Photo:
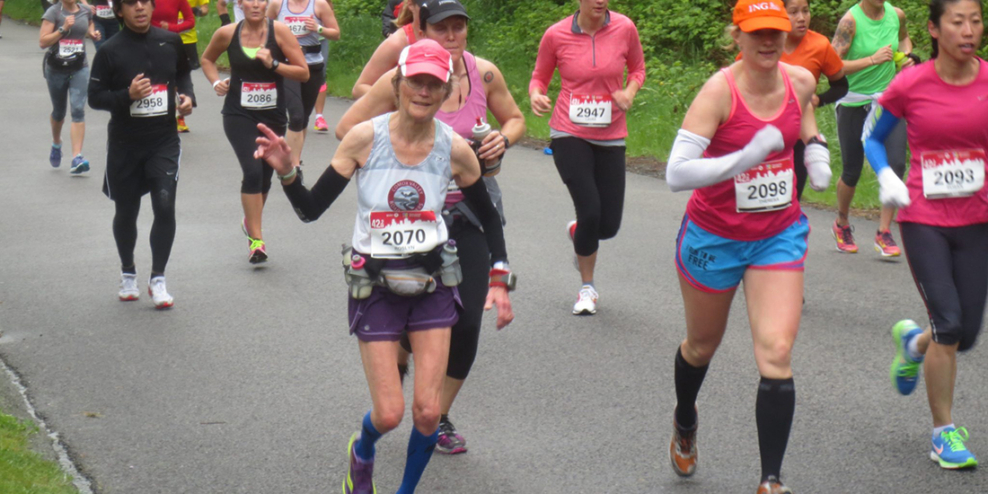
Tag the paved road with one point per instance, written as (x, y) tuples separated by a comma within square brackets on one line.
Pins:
[(252, 385)]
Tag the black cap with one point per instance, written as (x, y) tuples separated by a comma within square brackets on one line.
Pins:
[(433, 11)]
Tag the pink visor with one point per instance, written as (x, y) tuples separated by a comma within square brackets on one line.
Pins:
[(426, 57)]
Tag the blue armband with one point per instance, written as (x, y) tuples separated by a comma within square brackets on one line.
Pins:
[(877, 128)]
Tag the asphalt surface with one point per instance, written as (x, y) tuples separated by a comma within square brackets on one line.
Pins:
[(251, 383)]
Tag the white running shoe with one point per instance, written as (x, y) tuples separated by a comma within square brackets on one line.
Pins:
[(159, 294), (128, 287), (586, 302)]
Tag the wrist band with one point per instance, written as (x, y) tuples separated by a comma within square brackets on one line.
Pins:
[(217, 82), (507, 143), (290, 174)]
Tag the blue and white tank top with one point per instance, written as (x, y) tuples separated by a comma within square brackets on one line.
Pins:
[(296, 22), (399, 206)]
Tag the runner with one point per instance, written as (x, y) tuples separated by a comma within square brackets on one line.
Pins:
[(64, 27), (166, 15), (385, 57), (388, 17), (106, 23), (478, 87), (190, 41), (141, 77), (812, 51), (308, 20), (944, 216), (262, 55), (424, 306), (743, 222), (592, 48), (867, 39)]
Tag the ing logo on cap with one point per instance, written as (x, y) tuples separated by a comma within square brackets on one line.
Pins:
[(757, 7)]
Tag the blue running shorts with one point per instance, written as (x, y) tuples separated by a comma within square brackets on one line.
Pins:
[(715, 264)]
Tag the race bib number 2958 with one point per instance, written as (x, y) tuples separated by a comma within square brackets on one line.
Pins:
[(154, 105)]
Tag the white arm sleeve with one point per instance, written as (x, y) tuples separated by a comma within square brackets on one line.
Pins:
[(686, 169)]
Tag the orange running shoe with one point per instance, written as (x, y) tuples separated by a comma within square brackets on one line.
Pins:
[(682, 449), (844, 237), (773, 485), (885, 244)]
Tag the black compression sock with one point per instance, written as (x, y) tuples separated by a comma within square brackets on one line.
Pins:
[(224, 19), (774, 410), (688, 382), (129, 270)]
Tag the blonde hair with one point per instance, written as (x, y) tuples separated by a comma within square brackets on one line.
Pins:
[(405, 16), (729, 43)]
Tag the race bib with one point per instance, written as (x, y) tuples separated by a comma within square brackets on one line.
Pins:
[(259, 95), (766, 187), (396, 234), (590, 111), (297, 25), (155, 105), (69, 47), (104, 11), (959, 173)]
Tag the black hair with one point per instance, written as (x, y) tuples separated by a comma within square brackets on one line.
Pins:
[(785, 3), (118, 8), (937, 9)]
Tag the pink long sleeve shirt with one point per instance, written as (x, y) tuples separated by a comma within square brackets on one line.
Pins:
[(591, 66)]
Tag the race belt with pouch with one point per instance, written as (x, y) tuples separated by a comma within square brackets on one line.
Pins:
[(419, 274), (67, 55)]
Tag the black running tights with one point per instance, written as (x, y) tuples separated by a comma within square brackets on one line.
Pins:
[(162, 230)]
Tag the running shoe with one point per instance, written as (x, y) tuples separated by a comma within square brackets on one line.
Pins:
[(571, 231), (885, 244), (128, 287), (159, 294), (450, 441), (258, 254), (79, 165), (321, 124), (586, 302), (844, 237), (360, 474), (55, 157), (182, 128), (949, 451), (905, 370), (682, 449), (773, 485)]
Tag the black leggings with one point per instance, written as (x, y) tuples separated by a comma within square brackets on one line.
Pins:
[(242, 133), (950, 268), (300, 97), (850, 124), (162, 229), (595, 177), (475, 260)]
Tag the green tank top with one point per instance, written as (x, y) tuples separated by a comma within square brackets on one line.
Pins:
[(869, 36)]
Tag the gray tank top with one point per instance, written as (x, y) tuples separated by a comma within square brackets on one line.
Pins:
[(399, 206), (296, 22)]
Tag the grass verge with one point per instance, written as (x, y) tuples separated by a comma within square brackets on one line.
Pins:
[(23, 471)]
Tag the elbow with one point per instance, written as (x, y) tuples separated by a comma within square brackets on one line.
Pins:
[(341, 131), (358, 90)]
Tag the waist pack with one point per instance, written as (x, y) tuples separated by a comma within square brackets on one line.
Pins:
[(362, 274), (70, 64)]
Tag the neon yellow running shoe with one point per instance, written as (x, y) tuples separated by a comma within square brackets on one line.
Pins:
[(949, 451), (359, 476), (258, 254), (905, 370)]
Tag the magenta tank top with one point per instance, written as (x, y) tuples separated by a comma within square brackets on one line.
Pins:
[(761, 202), (463, 120)]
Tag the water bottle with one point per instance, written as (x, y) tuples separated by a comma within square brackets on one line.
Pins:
[(450, 273), (481, 131), (358, 279)]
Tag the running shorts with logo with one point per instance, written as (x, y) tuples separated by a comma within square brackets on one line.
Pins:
[(131, 167)]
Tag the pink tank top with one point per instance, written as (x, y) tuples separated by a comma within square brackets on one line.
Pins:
[(761, 202), (463, 120)]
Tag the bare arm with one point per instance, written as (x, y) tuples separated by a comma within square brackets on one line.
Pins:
[(296, 69), (378, 101), (49, 36), (504, 108), (385, 58), (710, 108), (217, 45), (905, 44), (843, 38), (273, 7), (327, 18)]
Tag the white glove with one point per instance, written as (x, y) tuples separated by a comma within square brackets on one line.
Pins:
[(766, 141), (892, 192), (816, 158)]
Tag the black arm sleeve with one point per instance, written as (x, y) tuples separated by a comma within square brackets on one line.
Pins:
[(100, 96), (480, 201), (837, 91), (183, 73), (311, 204)]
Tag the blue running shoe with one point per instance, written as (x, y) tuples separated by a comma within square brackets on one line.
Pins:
[(949, 450), (905, 370), (55, 157), (79, 165)]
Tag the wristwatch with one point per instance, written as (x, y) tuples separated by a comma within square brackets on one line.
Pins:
[(61, 30), (818, 139), (502, 276), (275, 63)]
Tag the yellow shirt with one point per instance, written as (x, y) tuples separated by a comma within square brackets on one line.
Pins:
[(189, 37)]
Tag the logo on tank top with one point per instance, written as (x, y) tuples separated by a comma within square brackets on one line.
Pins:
[(406, 195)]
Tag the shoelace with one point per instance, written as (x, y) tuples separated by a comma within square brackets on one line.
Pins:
[(588, 293), (955, 438), (845, 234), (256, 244), (887, 239), (158, 286), (908, 369), (447, 428)]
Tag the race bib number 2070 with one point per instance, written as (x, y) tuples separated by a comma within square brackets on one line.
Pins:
[(396, 234)]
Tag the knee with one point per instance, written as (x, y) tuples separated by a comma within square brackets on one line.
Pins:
[(296, 119), (388, 418), (253, 182), (426, 414), (78, 113), (610, 230), (775, 354), (850, 177), (699, 352)]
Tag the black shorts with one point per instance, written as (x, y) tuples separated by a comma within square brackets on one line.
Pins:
[(131, 164), (192, 51)]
